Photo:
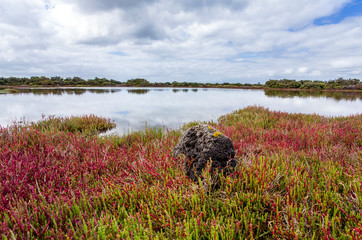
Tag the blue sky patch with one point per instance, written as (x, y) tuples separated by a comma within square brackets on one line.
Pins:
[(351, 9), (123, 112), (229, 44), (118, 53), (266, 54)]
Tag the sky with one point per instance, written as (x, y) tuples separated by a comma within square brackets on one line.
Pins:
[(247, 41)]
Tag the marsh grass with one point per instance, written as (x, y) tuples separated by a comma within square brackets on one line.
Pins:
[(87, 125), (300, 178), (8, 91)]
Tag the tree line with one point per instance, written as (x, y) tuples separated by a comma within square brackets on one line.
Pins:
[(35, 81), (56, 81), (138, 82), (339, 83)]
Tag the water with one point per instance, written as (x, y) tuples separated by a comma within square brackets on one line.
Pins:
[(133, 108)]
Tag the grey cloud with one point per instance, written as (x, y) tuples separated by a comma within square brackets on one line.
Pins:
[(150, 31), (102, 41), (151, 18), (194, 5), (104, 5), (143, 33), (186, 5)]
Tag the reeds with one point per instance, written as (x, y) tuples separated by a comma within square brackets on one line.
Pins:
[(300, 178)]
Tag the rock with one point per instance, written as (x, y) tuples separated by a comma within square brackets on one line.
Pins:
[(200, 144)]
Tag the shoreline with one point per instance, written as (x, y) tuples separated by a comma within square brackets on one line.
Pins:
[(3, 87)]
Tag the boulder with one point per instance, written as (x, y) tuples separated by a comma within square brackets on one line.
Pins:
[(201, 144)]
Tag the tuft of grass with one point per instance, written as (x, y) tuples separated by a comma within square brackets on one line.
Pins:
[(300, 178), (88, 125), (8, 90)]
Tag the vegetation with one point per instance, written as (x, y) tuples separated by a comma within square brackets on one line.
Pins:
[(89, 125), (8, 90), (56, 81), (336, 95), (340, 83), (300, 179), (138, 82)]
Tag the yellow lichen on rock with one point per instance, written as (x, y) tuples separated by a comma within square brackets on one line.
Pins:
[(217, 134)]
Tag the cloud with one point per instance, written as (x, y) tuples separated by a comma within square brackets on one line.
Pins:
[(187, 5), (184, 40), (106, 5)]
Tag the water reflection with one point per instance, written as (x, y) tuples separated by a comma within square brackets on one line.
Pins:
[(336, 95), (138, 91), (133, 108), (58, 91), (176, 90)]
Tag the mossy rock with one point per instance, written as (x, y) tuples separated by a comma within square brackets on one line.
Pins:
[(201, 144)]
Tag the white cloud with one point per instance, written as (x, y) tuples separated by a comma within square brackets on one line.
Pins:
[(162, 40)]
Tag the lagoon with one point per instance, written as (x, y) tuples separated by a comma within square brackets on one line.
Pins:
[(134, 108)]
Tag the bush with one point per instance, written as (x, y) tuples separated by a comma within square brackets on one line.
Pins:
[(284, 83), (313, 85)]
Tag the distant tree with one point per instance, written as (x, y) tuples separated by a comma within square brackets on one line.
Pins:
[(272, 84), (314, 85), (138, 82)]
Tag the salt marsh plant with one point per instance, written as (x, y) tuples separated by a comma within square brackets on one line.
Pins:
[(300, 179)]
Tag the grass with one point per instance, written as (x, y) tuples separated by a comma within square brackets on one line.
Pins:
[(89, 125), (8, 90), (300, 178)]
